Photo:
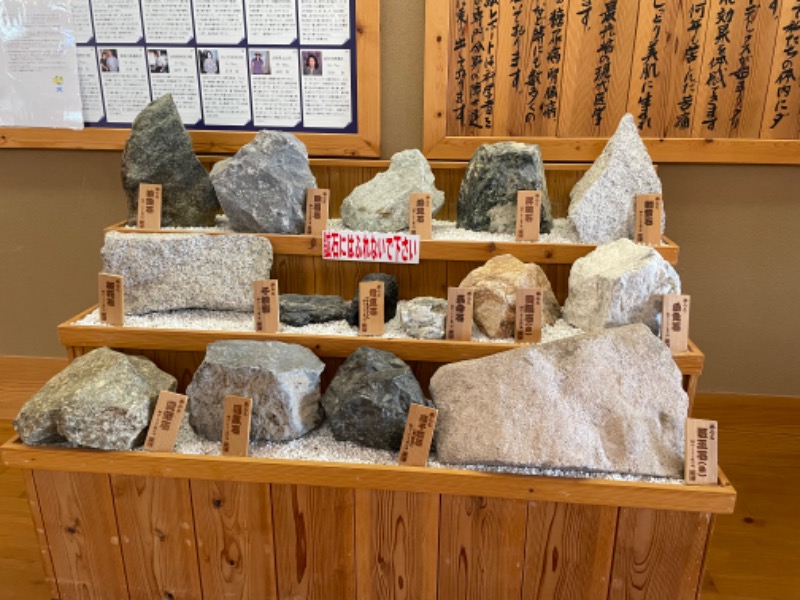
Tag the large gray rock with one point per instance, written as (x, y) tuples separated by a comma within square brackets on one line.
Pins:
[(602, 204), (609, 401), (424, 317), (381, 204), (282, 379), (495, 300), (178, 271), (159, 150), (618, 284), (262, 188), (367, 402), (301, 309), (103, 400), (487, 199), (391, 293)]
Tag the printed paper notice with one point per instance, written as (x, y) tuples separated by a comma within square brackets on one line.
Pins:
[(173, 71), (223, 81), (327, 102), (275, 84), (123, 72), (117, 21), (271, 22), (324, 22), (89, 77), (81, 20), (167, 21), (219, 21)]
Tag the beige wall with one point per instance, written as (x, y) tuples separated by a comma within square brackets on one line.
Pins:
[(736, 227)]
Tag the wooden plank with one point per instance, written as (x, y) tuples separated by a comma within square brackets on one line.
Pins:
[(315, 558), (79, 522), (398, 543), (782, 113), (38, 524), (341, 277), (658, 554), (481, 547), (295, 274), (569, 551), (156, 525), (424, 279), (234, 539)]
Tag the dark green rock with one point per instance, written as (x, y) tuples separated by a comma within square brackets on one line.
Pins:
[(391, 292), (301, 309)]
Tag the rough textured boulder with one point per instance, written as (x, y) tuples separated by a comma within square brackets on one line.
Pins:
[(177, 271), (602, 203), (610, 401), (159, 150), (282, 379), (381, 204), (103, 400), (618, 284), (367, 402), (262, 188), (495, 300), (301, 309), (391, 292), (424, 317), (487, 200)]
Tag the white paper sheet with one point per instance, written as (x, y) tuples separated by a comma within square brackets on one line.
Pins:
[(327, 101), (167, 21), (219, 21), (223, 81), (91, 94), (276, 91), (324, 22), (117, 21), (125, 88), (271, 21), (174, 71)]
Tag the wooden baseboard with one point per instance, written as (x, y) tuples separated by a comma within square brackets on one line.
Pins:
[(20, 377)]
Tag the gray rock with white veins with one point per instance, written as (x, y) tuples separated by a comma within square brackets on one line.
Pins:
[(367, 402), (282, 379), (262, 188), (180, 271), (424, 317), (102, 400), (602, 203), (381, 204), (487, 199), (159, 150), (610, 401), (301, 309), (618, 284)]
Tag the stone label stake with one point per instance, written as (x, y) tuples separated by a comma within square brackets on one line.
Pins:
[(236, 426), (529, 315), (111, 297), (266, 307), (420, 215), (149, 213), (529, 215), (418, 436), (370, 303), (675, 322), (317, 208), (166, 422), (649, 208), (459, 314), (702, 444)]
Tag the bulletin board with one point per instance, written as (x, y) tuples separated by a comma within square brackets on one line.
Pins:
[(707, 81), (234, 67)]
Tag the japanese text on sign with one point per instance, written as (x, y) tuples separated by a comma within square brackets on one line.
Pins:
[(458, 325), (111, 299), (370, 247), (266, 307), (675, 322), (420, 215), (371, 321), (702, 443), (149, 214), (317, 203), (529, 214), (236, 426), (529, 315), (649, 209), (418, 436), (166, 422)]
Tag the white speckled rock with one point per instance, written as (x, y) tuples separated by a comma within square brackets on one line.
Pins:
[(102, 400), (178, 271), (495, 303), (381, 204), (618, 284), (602, 203), (424, 317), (609, 401), (282, 379)]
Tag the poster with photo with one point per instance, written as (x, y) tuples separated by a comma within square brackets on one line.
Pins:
[(223, 85), (327, 100), (275, 87), (123, 77), (173, 71)]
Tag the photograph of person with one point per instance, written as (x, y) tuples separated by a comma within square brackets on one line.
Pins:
[(312, 63), (109, 62), (208, 61), (259, 63), (158, 61)]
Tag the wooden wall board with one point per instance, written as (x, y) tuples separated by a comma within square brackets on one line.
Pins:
[(41, 533), (782, 114)]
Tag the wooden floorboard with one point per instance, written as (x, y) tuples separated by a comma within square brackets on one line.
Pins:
[(754, 554)]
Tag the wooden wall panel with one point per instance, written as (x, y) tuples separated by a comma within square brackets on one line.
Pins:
[(80, 524), (235, 539), (782, 114), (295, 274), (41, 533), (397, 541), (425, 279), (158, 540)]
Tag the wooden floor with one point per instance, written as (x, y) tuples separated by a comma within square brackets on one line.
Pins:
[(755, 553)]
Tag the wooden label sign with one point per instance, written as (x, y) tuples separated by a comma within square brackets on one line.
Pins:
[(529, 215), (370, 299), (420, 216), (317, 203), (702, 452), (418, 436), (236, 426), (675, 322), (266, 307), (166, 422), (111, 299), (529, 315), (649, 208), (149, 215), (459, 314)]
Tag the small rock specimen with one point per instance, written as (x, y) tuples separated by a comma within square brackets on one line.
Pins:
[(102, 400), (177, 271), (391, 292), (495, 302), (618, 284), (300, 309), (424, 317), (262, 188), (159, 150), (282, 379), (602, 203), (381, 204), (610, 401), (367, 402), (487, 200)]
